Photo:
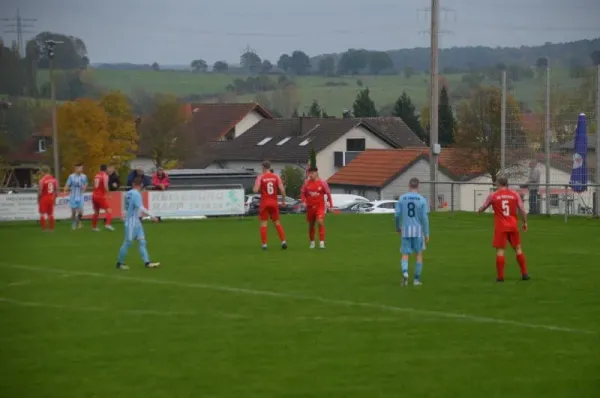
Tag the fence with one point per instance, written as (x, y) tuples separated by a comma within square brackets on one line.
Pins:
[(539, 121), (177, 202), (470, 196)]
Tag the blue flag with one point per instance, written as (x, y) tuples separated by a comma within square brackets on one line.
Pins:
[(579, 174)]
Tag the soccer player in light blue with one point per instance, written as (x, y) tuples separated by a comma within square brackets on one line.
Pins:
[(76, 184), (412, 223), (134, 208)]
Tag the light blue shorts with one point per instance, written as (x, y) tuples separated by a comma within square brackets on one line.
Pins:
[(412, 245), (134, 232), (76, 203)]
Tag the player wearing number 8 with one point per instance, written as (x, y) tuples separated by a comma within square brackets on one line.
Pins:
[(412, 223), (506, 203), (270, 186)]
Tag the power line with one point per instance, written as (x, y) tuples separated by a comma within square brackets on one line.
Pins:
[(19, 26)]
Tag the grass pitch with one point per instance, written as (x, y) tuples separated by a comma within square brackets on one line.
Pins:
[(221, 318)]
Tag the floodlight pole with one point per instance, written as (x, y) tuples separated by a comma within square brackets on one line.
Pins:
[(50, 48)]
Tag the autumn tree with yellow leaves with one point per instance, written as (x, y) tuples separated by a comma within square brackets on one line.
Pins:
[(478, 128), (95, 132)]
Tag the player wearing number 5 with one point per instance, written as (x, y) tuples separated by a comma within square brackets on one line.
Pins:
[(47, 198), (270, 186), (505, 203), (412, 223)]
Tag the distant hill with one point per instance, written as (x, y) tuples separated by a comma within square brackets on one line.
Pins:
[(132, 66), (562, 55)]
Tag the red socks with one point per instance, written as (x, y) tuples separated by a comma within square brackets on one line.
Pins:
[(500, 267), (108, 219), (94, 220), (311, 233), (263, 234), (43, 222), (322, 233), (280, 232), (51, 222), (522, 263)]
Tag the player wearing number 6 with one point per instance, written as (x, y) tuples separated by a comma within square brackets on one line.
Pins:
[(412, 223), (270, 186), (100, 199), (505, 203)]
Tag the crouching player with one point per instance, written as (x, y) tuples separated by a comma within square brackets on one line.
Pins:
[(133, 226), (505, 203), (412, 223)]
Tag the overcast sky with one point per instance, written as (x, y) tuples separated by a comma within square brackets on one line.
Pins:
[(177, 31)]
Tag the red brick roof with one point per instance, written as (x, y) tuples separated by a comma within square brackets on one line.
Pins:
[(378, 167), (28, 152)]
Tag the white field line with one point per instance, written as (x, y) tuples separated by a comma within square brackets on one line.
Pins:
[(345, 303)]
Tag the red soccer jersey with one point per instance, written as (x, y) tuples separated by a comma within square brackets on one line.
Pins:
[(313, 193), (505, 203), (49, 186), (100, 184), (268, 184)]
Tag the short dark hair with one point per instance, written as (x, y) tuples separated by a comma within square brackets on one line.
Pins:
[(311, 169), (266, 165), (272, 171), (414, 183), (137, 182), (502, 181), (103, 167), (78, 164)]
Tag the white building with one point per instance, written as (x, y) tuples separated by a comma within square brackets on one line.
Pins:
[(288, 142), (384, 174)]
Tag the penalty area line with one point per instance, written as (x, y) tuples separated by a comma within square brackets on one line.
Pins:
[(324, 300)]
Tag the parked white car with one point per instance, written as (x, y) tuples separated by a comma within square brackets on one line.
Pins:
[(342, 199), (381, 207)]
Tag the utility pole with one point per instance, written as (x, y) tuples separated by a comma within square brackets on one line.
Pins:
[(50, 53), (503, 125), (433, 128), (597, 140), (19, 27), (548, 137)]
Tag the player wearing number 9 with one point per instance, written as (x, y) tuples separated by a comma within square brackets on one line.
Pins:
[(506, 203)]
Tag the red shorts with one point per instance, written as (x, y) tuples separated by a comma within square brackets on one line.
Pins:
[(269, 211), (100, 203), (501, 237), (315, 213), (46, 205)]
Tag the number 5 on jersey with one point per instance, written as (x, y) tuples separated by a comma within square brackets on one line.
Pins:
[(505, 208)]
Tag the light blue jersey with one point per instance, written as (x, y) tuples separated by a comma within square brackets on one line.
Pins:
[(77, 184), (134, 208), (412, 219)]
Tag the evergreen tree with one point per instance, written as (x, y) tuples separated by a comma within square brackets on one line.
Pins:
[(315, 110), (312, 163), (295, 114), (447, 123), (405, 110), (363, 105)]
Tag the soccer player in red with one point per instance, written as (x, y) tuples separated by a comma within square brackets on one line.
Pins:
[(505, 203), (100, 199), (47, 190), (313, 195), (270, 186)]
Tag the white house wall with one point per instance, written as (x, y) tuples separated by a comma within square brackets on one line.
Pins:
[(325, 158), (247, 123), (420, 170)]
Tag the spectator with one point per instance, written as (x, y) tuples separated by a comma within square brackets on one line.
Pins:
[(533, 181), (113, 179), (138, 172), (160, 180)]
